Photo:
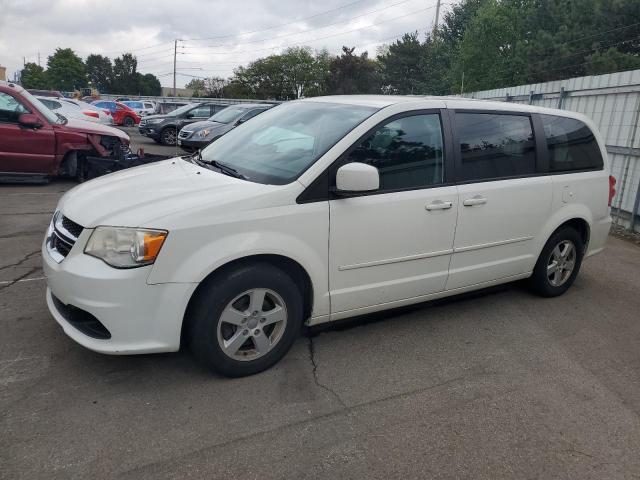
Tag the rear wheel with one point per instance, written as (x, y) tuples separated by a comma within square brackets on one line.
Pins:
[(245, 320), (168, 136), (128, 122), (559, 263)]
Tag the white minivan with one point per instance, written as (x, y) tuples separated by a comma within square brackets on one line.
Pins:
[(323, 209)]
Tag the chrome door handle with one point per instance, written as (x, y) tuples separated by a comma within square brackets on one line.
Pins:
[(477, 200), (439, 205)]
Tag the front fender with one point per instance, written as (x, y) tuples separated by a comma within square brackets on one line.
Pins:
[(188, 260)]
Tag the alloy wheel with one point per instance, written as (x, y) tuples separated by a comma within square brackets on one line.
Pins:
[(562, 262), (252, 324)]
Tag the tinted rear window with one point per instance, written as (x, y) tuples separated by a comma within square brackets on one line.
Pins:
[(571, 145), (495, 146)]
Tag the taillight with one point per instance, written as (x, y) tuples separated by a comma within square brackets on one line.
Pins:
[(612, 188), (92, 114)]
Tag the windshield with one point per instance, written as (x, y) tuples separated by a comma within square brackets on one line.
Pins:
[(180, 110), (48, 114), (228, 115), (276, 146)]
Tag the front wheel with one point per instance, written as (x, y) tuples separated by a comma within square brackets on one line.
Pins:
[(558, 264), (128, 122), (244, 321), (168, 136)]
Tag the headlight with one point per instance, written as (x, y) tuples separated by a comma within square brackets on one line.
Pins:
[(154, 120), (125, 247), (203, 133)]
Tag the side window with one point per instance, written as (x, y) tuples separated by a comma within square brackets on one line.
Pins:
[(408, 152), (203, 111), (571, 145), (495, 146), (10, 108), (251, 114)]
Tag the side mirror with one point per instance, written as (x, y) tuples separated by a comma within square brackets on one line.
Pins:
[(357, 177), (29, 120), (189, 115)]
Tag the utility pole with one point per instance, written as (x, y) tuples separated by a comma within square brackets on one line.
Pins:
[(39, 59), (175, 54), (435, 23)]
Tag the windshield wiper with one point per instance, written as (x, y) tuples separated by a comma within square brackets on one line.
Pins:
[(226, 169), (195, 158)]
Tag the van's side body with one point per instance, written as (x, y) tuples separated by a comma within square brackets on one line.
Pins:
[(404, 243)]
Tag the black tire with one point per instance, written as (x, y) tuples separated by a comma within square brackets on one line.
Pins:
[(169, 136), (540, 282), (128, 122), (213, 299)]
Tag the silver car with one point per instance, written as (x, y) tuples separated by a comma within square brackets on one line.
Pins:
[(78, 109)]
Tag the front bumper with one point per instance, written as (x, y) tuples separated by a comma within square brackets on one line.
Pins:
[(193, 144), (139, 317), (149, 131)]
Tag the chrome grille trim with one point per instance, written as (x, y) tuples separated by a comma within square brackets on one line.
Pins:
[(58, 233)]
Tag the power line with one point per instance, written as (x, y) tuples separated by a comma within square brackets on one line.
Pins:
[(302, 43), (279, 25), (304, 31)]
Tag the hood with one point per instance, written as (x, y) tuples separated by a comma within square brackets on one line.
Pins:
[(84, 126), (159, 117), (137, 196), (194, 127)]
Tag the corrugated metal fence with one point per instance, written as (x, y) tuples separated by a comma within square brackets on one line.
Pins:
[(613, 102)]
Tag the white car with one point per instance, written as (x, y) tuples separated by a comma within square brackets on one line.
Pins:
[(71, 108), (322, 209), (141, 107)]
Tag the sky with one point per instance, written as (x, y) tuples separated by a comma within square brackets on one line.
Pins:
[(215, 36)]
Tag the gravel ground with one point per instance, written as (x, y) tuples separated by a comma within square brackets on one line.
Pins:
[(495, 385)]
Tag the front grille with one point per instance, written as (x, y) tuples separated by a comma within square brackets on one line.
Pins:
[(60, 245), (82, 320), (72, 227), (62, 236), (184, 134)]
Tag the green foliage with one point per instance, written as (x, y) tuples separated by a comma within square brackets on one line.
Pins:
[(66, 71), (353, 74), (99, 72), (197, 85), (148, 85), (401, 67), (125, 75), (34, 76)]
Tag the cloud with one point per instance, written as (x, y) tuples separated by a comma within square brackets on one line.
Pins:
[(216, 35)]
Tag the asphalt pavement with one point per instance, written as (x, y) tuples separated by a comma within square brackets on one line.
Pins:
[(496, 385)]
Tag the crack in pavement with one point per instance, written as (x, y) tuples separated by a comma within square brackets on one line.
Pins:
[(312, 358), (21, 261), (13, 282), (28, 213)]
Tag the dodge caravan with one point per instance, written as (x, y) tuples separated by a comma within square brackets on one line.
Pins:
[(323, 209)]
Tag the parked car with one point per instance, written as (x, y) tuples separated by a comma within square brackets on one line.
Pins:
[(322, 209), (45, 93), (168, 107), (200, 134), (164, 128), (77, 109), (36, 143), (141, 107), (122, 115)]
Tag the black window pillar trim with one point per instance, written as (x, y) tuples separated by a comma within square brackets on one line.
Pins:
[(542, 151)]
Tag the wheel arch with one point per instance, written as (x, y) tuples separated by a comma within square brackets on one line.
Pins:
[(288, 265), (577, 217)]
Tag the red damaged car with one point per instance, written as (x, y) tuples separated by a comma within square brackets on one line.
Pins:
[(36, 143)]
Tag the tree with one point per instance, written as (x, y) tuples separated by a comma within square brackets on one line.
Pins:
[(148, 85), (33, 76), (353, 74), (401, 67), (196, 85), (99, 72), (66, 71), (214, 86), (125, 78)]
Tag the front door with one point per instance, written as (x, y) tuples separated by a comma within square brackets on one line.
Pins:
[(503, 204), (395, 243), (23, 150)]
